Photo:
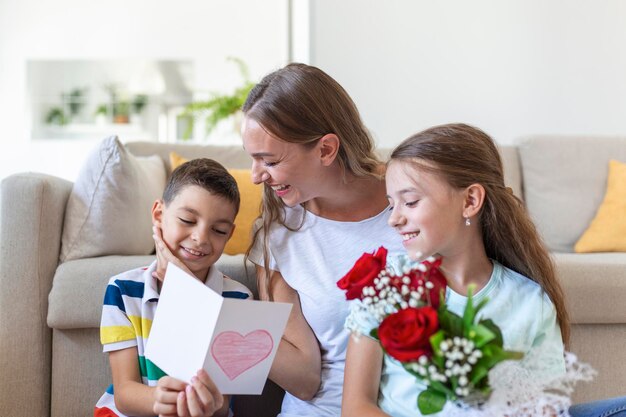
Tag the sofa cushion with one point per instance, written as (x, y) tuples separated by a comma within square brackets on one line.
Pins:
[(607, 231), (564, 183), (229, 156), (108, 211), (594, 285), (512, 169), (75, 301)]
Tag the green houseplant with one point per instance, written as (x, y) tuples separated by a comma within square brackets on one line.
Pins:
[(219, 106)]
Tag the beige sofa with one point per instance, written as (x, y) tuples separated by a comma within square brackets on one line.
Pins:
[(51, 361)]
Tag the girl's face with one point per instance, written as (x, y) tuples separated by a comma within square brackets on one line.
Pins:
[(290, 169), (426, 211)]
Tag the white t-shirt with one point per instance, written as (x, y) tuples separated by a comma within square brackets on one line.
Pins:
[(312, 260), (517, 305)]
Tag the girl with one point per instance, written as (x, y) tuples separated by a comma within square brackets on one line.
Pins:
[(448, 197)]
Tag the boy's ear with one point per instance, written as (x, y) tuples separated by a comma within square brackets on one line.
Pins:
[(157, 212), (329, 148), (474, 200)]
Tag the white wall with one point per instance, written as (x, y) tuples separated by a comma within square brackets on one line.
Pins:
[(512, 67), (203, 31)]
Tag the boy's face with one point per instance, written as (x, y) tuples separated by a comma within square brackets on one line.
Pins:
[(196, 226)]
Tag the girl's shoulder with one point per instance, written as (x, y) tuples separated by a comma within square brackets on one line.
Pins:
[(527, 289)]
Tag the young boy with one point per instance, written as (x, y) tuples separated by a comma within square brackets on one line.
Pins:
[(196, 216)]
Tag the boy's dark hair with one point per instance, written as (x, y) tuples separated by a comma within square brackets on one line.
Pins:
[(205, 173)]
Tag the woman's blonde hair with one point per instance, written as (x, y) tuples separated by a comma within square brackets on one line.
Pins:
[(465, 155), (300, 104)]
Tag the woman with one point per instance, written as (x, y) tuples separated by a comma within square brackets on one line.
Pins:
[(324, 205)]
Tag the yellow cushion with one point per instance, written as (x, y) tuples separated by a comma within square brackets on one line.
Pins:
[(607, 231), (251, 195)]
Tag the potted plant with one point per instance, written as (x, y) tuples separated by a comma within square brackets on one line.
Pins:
[(221, 106), (56, 116), (101, 113)]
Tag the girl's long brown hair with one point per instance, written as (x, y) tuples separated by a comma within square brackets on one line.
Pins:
[(465, 155), (300, 104)]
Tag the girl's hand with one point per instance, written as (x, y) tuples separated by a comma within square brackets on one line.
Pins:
[(164, 255)]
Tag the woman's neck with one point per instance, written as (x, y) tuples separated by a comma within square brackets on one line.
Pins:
[(356, 199)]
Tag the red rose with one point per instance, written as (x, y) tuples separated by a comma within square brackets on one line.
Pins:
[(436, 277), (404, 335), (362, 274)]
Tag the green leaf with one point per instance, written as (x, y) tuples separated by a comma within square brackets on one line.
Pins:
[(488, 323), (479, 371), (435, 341), (450, 322), (470, 312), (480, 335), (441, 388), (430, 401), (374, 333)]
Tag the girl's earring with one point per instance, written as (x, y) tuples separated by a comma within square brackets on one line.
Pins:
[(467, 221)]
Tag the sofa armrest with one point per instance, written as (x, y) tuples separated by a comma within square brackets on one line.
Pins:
[(32, 208)]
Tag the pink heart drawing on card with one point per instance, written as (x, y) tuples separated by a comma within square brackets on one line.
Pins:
[(235, 353)]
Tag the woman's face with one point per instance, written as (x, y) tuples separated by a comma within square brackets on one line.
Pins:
[(426, 211), (289, 169)]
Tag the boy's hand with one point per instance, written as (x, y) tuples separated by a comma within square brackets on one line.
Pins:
[(164, 255), (175, 398), (166, 395), (201, 398)]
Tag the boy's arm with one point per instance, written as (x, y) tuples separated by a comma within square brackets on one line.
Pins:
[(132, 397), (297, 366)]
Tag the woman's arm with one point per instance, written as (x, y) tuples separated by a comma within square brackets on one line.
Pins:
[(364, 360), (297, 367)]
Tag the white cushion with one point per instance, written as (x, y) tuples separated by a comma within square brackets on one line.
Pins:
[(108, 212)]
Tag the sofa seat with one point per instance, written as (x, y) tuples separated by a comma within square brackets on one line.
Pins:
[(594, 285)]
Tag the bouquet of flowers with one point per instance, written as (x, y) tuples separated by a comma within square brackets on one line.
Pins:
[(450, 354)]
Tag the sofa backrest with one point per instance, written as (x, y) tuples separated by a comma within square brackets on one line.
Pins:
[(512, 169), (564, 181), (230, 156)]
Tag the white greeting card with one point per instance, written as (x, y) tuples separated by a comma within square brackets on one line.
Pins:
[(234, 340)]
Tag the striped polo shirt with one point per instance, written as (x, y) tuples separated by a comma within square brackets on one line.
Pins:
[(130, 302)]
